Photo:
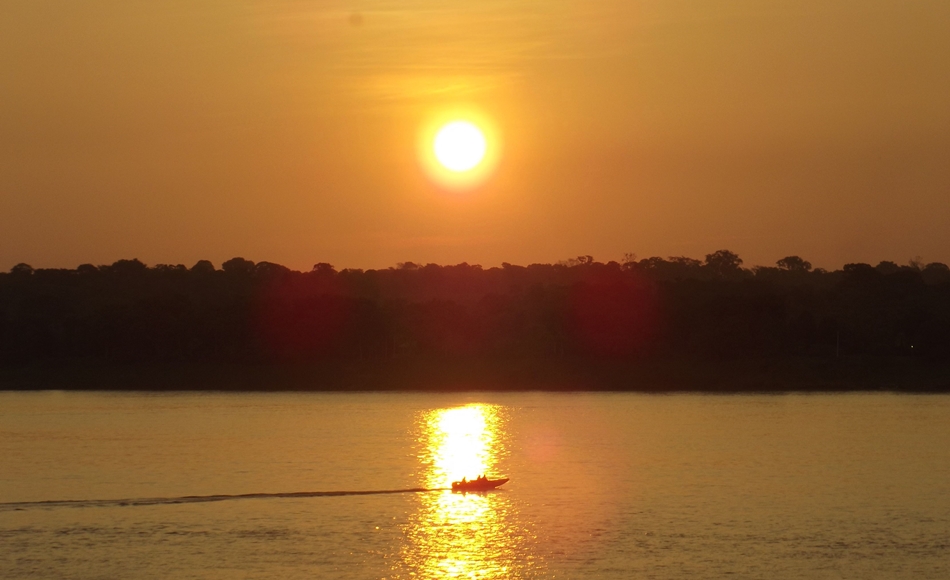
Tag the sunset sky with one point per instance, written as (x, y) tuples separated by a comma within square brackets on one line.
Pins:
[(288, 130)]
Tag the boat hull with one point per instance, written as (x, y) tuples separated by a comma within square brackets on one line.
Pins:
[(478, 485)]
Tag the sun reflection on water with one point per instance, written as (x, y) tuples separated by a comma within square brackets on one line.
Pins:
[(453, 535), (460, 443)]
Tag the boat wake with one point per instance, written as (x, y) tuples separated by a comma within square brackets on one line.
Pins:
[(149, 501)]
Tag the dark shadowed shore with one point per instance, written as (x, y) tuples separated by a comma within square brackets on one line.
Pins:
[(653, 325), (899, 374)]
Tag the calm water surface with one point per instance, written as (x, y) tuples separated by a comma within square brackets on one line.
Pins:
[(602, 486)]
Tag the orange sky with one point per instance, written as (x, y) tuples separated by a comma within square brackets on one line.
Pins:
[(285, 130)]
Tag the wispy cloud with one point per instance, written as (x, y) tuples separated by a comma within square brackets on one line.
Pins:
[(423, 48)]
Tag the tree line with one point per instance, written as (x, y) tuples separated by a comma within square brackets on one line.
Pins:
[(579, 309)]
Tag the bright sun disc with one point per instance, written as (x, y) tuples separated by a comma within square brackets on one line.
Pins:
[(459, 146)]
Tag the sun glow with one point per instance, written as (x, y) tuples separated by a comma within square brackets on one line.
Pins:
[(459, 146), (459, 149)]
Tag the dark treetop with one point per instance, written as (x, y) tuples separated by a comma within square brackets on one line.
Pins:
[(650, 323)]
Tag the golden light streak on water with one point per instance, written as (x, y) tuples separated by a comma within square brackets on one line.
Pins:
[(454, 535), (461, 443)]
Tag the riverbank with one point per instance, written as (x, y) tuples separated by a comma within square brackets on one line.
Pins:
[(905, 374)]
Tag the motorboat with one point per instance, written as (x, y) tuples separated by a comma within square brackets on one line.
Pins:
[(479, 484)]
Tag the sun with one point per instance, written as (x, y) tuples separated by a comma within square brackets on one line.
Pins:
[(459, 146)]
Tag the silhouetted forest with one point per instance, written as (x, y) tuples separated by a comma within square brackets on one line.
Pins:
[(538, 322)]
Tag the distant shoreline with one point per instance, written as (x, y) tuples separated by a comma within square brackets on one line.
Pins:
[(751, 375)]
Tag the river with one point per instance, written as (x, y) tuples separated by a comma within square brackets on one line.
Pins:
[(603, 486)]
